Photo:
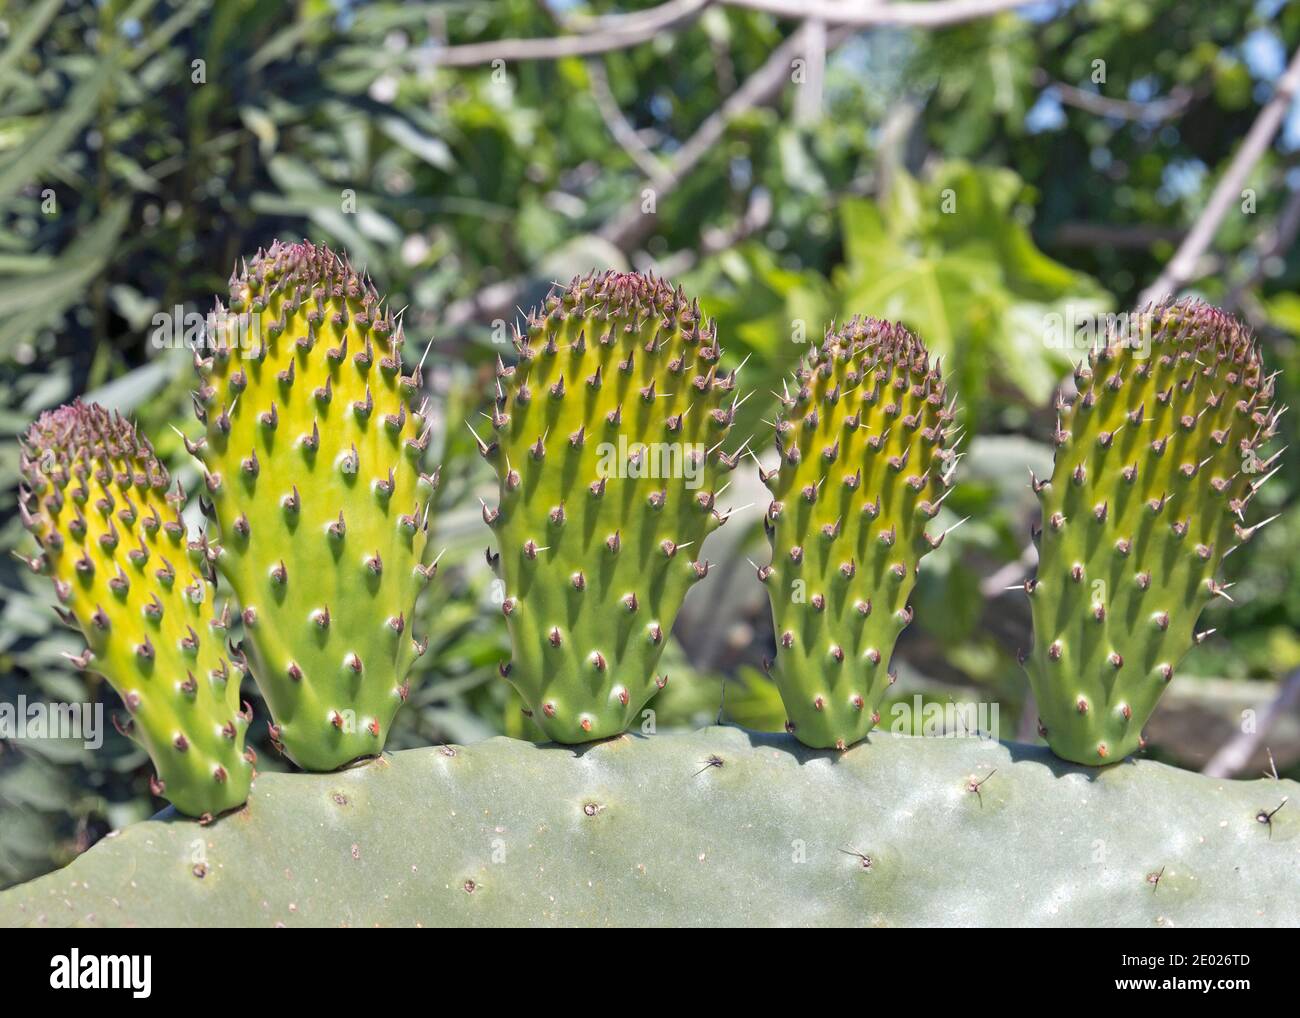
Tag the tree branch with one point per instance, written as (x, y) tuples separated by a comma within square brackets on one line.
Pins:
[(629, 226), (622, 31), (1138, 237), (936, 14), (624, 133), (1235, 754), (1153, 112), (1183, 267), (609, 33), (1269, 244)]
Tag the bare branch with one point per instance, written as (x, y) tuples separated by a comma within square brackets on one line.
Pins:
[(1008, 576), (627, 228), (1234, 755), (1184, 267), (1153, 112), (808, 100), (1112, 235), (936, 14), (615, 32), (1269, 244), (624, 133), (758, 213), (609, 33)]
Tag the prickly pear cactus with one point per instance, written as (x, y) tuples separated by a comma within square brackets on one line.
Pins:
[(705, 828), (313, 465), (113, 541), (1156, 462), (863, 468), (608, 447)]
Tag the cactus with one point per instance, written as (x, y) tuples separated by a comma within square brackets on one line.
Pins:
[(112, 538), (608, 449), (312, 463), (717, 827), (1156, 462), (863, 467)]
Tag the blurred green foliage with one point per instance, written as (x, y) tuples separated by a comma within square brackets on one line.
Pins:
[(145, 145)]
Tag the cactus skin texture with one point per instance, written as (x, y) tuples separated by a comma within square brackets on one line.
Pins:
[(312, 462), (863, 467), (718, 827), (1156, 461), (596, 560), (112, 539)]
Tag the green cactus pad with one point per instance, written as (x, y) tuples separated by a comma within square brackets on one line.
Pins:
[(112, 539), (1156, 461), (608, 447), (312, 461), (719, 827), (862, 471)]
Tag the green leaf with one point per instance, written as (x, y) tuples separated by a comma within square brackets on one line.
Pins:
[(39, 300), (433, 151), (49, 136), (31, 25)]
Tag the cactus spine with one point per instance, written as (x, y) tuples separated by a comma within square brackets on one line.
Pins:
[(863, 468), (312, 461), (1156, 461), (608, 449), (112, 539)]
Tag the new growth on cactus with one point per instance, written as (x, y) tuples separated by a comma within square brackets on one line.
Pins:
[(863, 470), (313, 467), (1156, 462), (113, 541), (608, 449)]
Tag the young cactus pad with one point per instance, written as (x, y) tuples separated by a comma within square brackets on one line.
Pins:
[(313, 467), (112, 539), (608, 448), (1156, 461), (863, 467)]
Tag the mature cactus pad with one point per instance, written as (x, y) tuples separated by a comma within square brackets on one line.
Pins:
[(1156, 461), (608, 447), (720, 827), (112, 539), (312, 460), (863, 466)]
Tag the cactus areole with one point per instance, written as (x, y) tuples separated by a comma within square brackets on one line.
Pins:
[(608, 445), (312, 460), (113, 541), (863, 468), (1157, 460)]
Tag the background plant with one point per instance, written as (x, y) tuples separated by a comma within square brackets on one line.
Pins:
[(969, 179)]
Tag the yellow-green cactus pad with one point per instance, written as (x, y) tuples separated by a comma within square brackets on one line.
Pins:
[(608, 445), (863, 468), (313, 459), (1156, 461), (112, 539)]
